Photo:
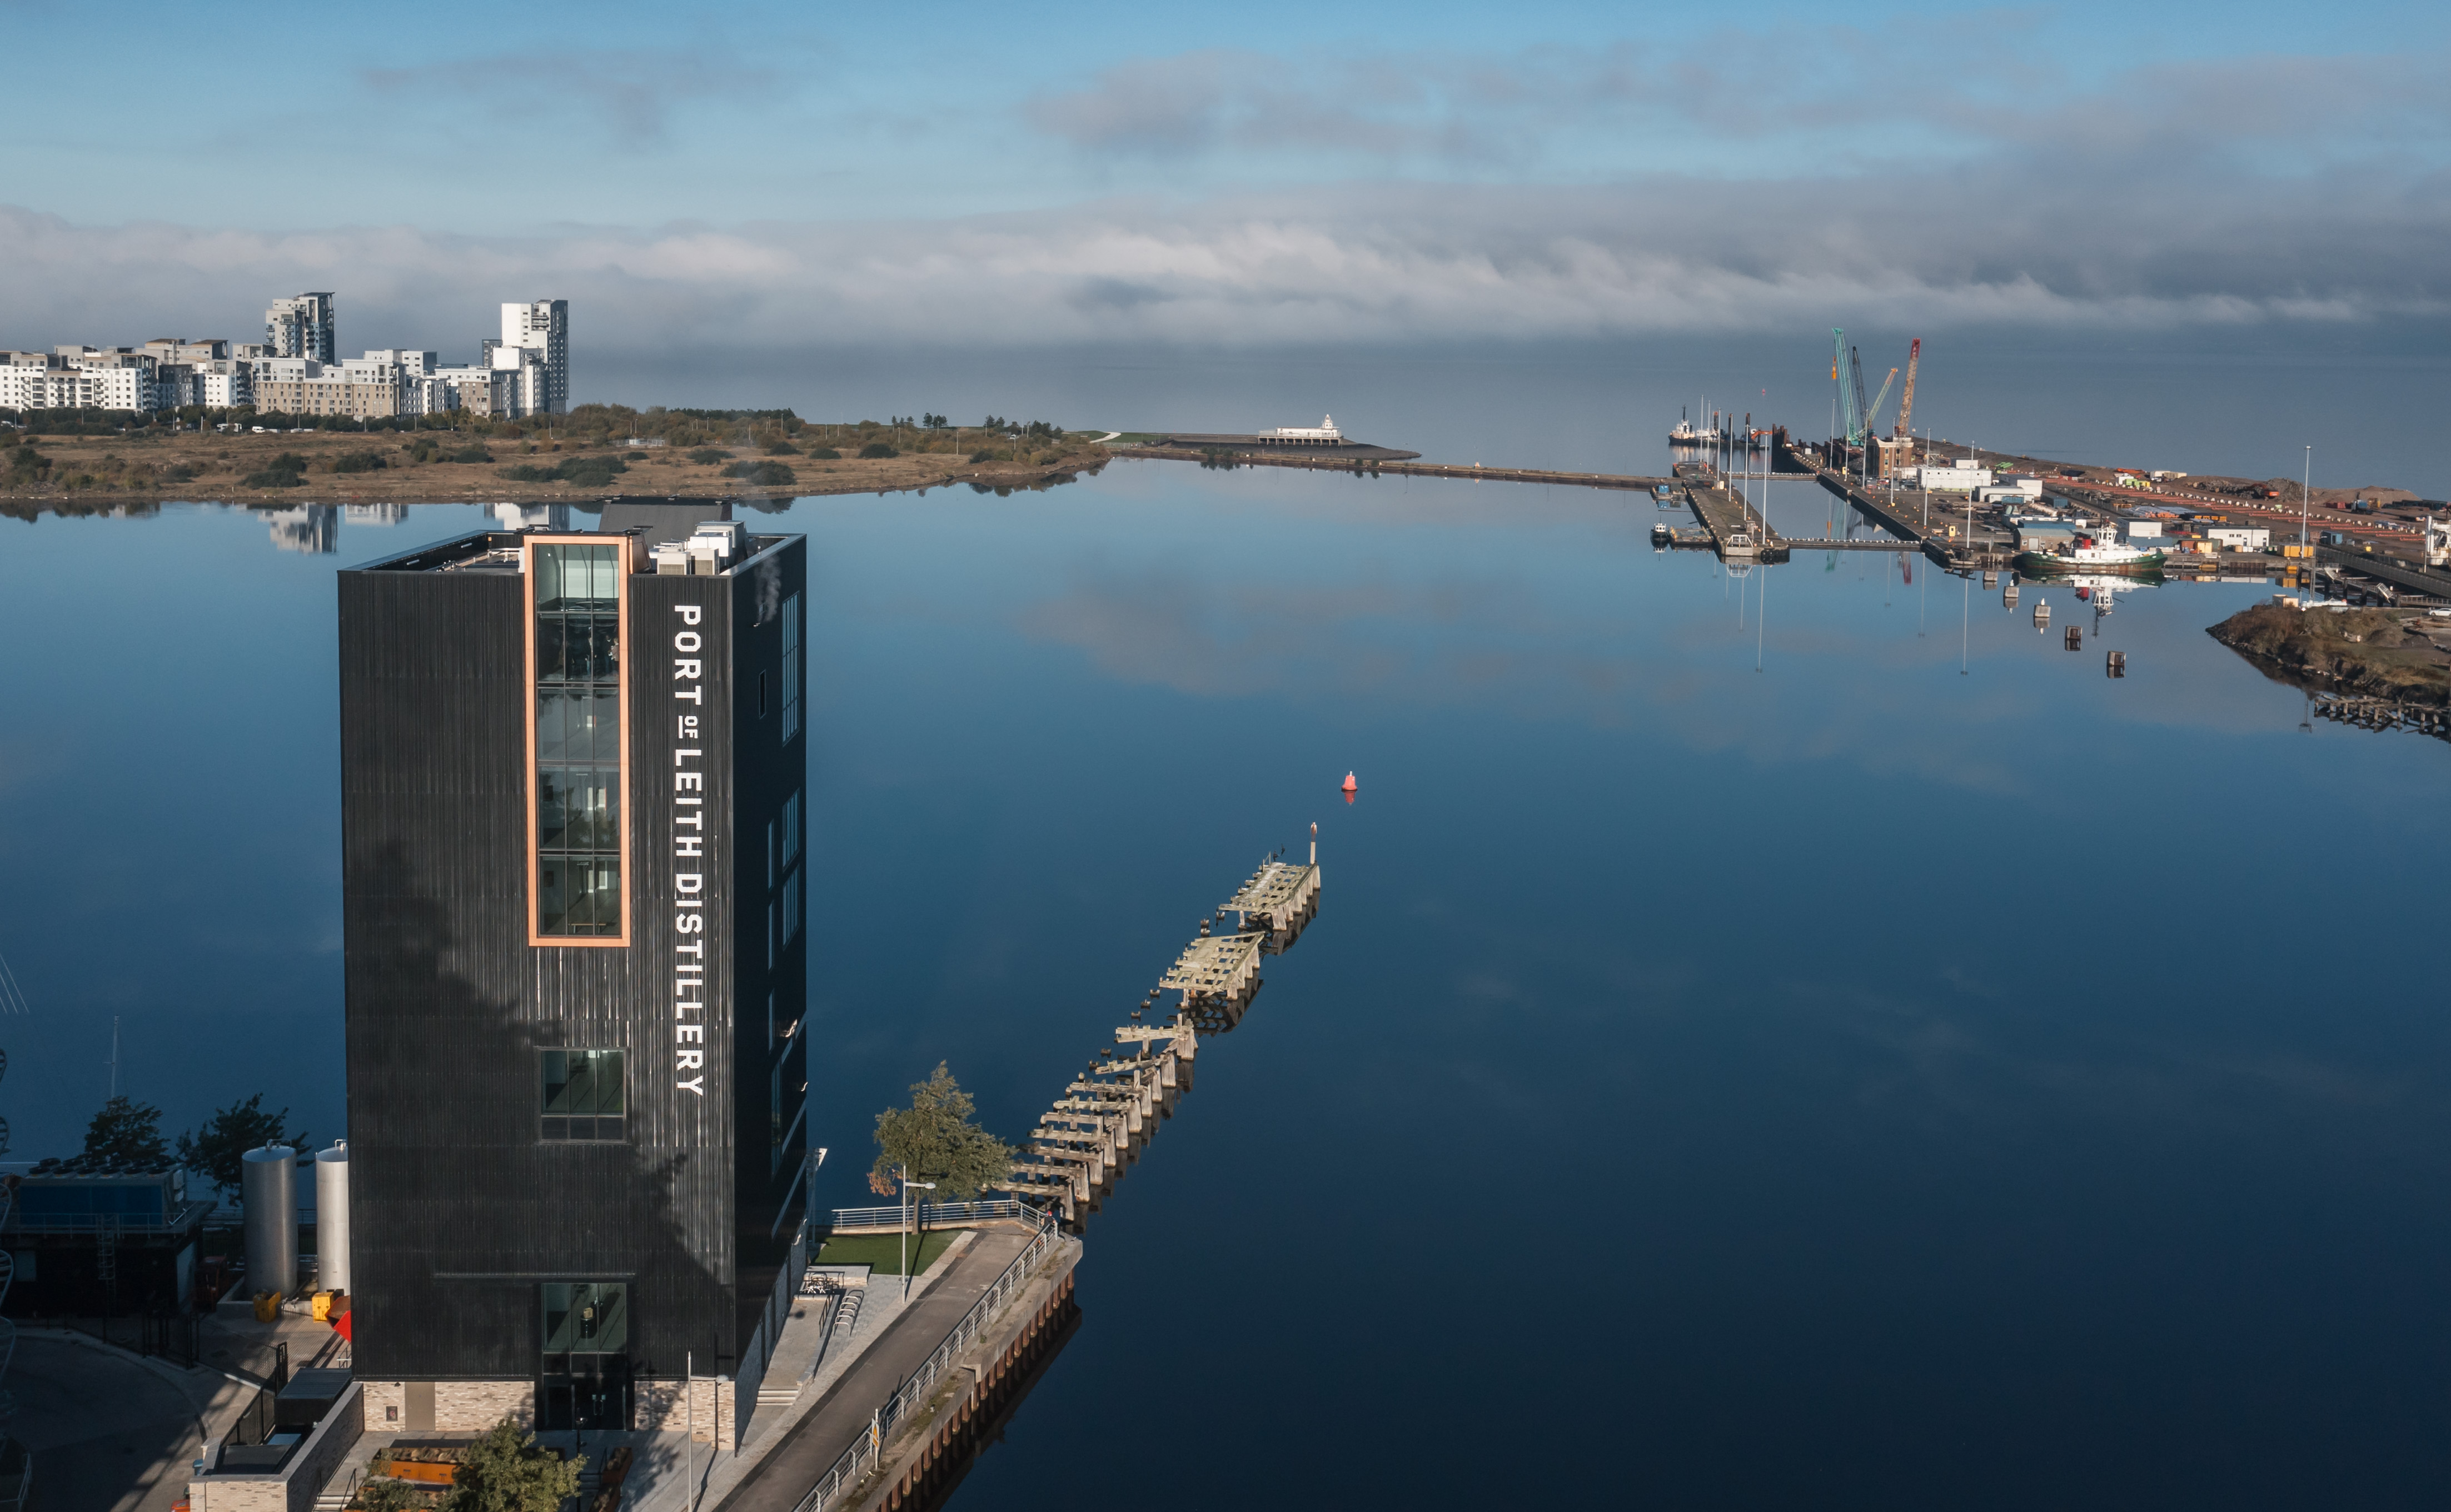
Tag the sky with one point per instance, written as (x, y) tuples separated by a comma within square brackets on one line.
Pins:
[(777, 179)]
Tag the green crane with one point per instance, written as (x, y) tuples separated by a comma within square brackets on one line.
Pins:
[(1872, 414), (1857, 413)]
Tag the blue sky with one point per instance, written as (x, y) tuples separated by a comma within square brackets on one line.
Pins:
[(1264, 173)]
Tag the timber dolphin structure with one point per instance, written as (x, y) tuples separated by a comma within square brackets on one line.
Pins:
[(1110, 1111)]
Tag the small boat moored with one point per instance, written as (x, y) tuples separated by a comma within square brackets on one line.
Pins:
[(2090, 552)]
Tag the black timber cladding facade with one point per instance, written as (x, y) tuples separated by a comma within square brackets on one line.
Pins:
[(460, 1209)]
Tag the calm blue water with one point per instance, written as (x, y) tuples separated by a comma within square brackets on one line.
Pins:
[(1742, 1060)]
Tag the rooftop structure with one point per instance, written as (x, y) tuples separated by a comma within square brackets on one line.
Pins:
[(1325, 432)]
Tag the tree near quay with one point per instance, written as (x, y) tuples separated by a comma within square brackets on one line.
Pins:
[(127, 1131), (218, 1148), (938, 1138), (504, 1471)]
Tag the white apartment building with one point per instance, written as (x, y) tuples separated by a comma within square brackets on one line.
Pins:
[(526, 377), (302, 326), (79, 378), (226, 385), (542, 326), (359, 388), (481, 390)]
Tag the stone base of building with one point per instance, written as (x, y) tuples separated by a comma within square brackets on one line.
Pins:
[(706, 1414), (472, 1406), (447, 1407)]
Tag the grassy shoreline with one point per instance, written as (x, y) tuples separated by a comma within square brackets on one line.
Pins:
[(89, 474)]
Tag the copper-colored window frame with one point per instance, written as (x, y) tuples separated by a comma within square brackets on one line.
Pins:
[(629, 565)]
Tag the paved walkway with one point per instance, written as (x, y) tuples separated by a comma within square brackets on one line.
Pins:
[(787, 1472), (111, 1432)]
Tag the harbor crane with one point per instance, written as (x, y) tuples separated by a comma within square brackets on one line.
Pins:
[(1879, 399), (1860, 413), (1906, 402)]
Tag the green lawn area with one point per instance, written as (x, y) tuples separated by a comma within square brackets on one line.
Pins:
[(884, 1251)]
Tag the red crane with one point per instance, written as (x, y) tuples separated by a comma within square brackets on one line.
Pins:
[(1906, 402)]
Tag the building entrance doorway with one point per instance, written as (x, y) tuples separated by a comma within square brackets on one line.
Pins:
[(583, 1380), (594, 1395)]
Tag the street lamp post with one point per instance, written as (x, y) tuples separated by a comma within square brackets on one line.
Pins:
[(913, 1223)]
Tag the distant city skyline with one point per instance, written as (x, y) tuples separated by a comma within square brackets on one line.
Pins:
[(296, 370)]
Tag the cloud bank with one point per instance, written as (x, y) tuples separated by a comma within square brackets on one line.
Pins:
[(2212, 193), (1370, 263)]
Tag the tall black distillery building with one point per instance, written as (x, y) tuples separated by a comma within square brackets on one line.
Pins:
[(573, 834)]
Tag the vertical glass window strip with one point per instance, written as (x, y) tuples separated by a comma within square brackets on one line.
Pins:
[(578, 739), (581, 1095), (790, 668), (790, 825)]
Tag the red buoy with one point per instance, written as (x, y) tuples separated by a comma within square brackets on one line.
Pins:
[(1351, 787)]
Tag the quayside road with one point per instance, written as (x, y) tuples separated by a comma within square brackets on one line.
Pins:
[(788, 1470)]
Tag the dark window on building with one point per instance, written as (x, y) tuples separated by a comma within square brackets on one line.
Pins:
[(581, 1094), (585, 1317), (578, 739), (791, 667)]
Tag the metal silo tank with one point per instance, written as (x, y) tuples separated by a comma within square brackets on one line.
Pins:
[(269, 1191), (332, 1217)]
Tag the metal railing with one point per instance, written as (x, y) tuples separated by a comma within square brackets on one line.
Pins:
[(865, 1454), (931, 1212), (177, 1220), (260, 1417)]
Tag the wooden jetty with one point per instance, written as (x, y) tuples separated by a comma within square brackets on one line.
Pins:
[(2383, 714), (1109, 1113)]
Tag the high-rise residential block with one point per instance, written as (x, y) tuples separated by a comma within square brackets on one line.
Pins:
[(542, 326), (302, 326)]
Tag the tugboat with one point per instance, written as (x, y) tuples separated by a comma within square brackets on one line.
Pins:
[(2090, 552), (1688, 433)]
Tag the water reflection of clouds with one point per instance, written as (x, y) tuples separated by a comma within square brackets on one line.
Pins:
[(1498, 645), (2008, 1063)]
